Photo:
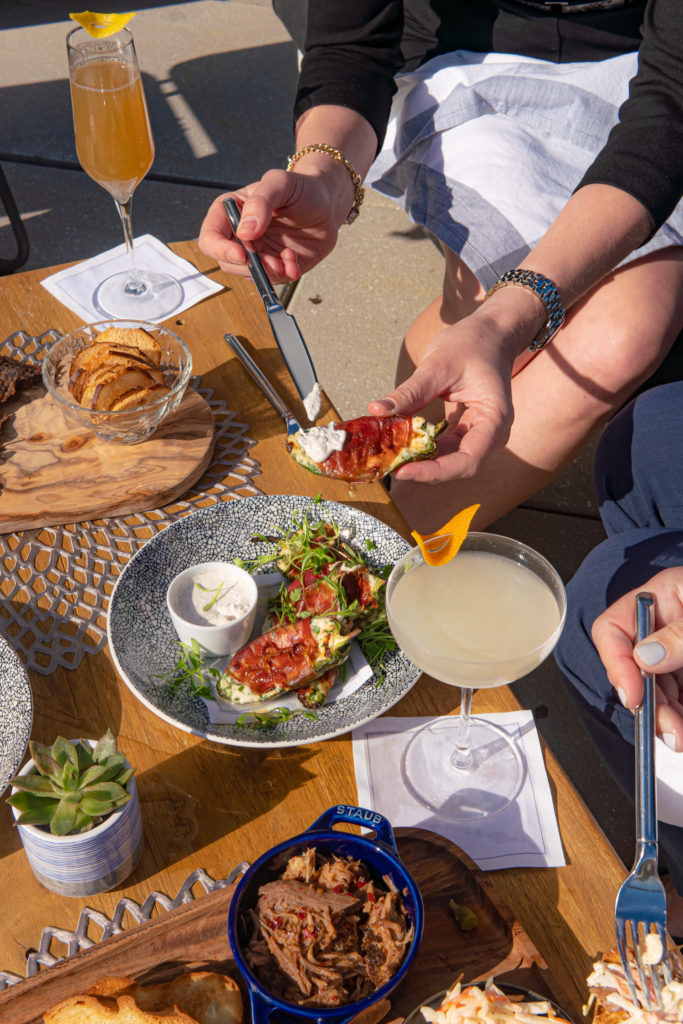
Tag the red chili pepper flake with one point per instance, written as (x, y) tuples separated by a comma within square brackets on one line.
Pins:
[(302, 915), (361, 882), (371, 896), (338, 888)]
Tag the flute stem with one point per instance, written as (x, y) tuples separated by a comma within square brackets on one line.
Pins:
[(134, 286), (462, 755)]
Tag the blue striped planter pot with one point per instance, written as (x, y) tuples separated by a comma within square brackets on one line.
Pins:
[(91, 862)]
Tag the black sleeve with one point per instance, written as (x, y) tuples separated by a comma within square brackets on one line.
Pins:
[(353, 51), (643, 154)]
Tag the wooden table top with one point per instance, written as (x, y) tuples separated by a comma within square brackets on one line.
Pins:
[(212, 806)]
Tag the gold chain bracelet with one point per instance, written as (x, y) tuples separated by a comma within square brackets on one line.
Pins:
[(336, 154)]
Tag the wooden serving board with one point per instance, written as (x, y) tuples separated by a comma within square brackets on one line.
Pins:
[(194, 936), (52, 472)]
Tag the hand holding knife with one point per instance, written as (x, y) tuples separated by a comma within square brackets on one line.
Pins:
[(285, 328)]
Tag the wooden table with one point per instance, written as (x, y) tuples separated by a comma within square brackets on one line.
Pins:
[(212, 806)]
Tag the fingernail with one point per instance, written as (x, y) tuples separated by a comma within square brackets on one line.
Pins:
[(651, 652), (622, 696), (670, 740), (249, 223), (388, 404)]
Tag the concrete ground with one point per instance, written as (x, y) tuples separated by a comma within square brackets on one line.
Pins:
[(219, 76)]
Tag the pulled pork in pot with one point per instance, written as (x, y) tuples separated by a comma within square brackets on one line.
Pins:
[(325, 933)]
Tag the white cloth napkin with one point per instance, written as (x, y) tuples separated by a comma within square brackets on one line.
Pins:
[(669, 784), (223, 712), (524, 834), (76, 285)]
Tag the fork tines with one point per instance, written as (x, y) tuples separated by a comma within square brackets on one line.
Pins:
[(646, 988)]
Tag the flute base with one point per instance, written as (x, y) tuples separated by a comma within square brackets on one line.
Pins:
[(158, 297), (490, 785)]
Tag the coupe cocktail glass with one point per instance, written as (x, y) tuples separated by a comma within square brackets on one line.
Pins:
[(115, 147), (486, 618)]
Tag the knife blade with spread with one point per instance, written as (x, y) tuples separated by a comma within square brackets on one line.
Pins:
[(285, 329)]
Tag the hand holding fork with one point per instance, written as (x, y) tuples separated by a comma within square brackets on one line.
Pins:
[(641, 900)]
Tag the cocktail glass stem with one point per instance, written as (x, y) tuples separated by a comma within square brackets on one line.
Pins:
[(134, 286), (461, 757)]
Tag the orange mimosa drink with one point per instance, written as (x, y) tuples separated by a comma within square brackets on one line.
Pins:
[(113, 134), (115, 147)]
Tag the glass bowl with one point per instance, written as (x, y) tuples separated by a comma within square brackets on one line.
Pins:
[(129, 426)]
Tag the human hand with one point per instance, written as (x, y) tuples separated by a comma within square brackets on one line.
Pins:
[(469, 367), (290, 219), (614, 636)]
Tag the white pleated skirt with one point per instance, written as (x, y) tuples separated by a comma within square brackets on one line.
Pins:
[(484, 150)]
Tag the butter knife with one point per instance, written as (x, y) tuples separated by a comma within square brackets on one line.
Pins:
[(267, 388), (285, 329)]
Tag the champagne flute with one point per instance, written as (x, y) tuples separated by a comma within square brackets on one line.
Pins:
[(486, 618), (115, 147)]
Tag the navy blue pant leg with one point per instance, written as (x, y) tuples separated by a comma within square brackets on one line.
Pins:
[(639, 482)]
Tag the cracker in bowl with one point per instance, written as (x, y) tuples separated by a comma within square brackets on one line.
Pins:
[(119, 366)]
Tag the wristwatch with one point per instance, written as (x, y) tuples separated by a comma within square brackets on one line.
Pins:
[(547, 293)]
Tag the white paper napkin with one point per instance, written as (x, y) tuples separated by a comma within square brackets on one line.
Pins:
[(223, 712), (76, 285), (524, 834)]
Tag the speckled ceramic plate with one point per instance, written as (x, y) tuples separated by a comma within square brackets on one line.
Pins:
[(511, 990), (16, 713), (143, 642)]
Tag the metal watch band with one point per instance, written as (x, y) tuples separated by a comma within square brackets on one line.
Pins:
[(547, 293)]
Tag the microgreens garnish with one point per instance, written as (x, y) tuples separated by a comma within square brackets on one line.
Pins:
[(269, 719), (377, 641), (216, 591), (190, 672)]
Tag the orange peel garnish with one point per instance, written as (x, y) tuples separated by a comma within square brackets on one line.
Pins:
[(101, 25), (451, 536)]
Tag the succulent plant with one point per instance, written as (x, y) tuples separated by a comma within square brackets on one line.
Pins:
[(73, 787)]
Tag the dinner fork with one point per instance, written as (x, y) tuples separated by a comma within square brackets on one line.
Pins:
[(641, 900), (291, 422)]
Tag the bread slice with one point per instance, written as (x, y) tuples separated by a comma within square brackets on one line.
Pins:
[(101, 354), (129, 1012), (83, 1009), (120, 380), (136, 397), (86, 381), (207, 997), (198, 997), (135, 336)]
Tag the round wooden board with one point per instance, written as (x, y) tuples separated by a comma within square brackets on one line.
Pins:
[(53, 473)]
